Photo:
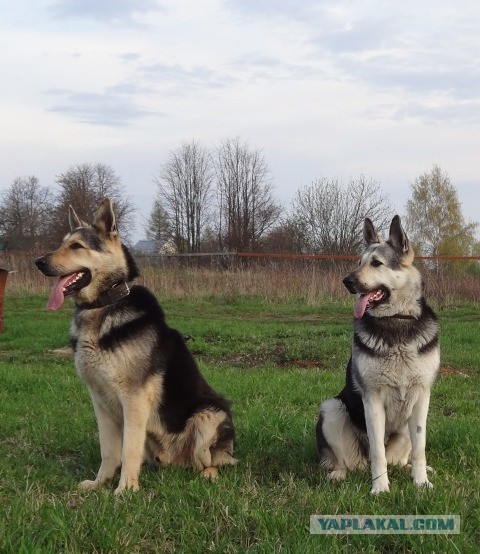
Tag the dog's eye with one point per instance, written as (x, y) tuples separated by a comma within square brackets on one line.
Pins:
[(75, 246), (376, 263)]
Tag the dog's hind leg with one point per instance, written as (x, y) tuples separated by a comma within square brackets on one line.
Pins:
[(222, 449), (110, 435), (223, 456), (206, 426), (328, 460), (338, 444)]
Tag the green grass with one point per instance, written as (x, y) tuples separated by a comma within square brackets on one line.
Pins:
[(276, 361)]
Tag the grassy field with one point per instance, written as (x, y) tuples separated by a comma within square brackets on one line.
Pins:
[(276, 361)]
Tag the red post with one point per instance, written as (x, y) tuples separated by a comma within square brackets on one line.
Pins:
[(3, 282)]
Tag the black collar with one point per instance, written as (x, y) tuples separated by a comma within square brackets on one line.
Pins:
[(394, 316), (403, 316), (116, 293)]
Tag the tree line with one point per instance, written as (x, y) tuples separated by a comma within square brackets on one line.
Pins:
[(33, 218), (222, 199)]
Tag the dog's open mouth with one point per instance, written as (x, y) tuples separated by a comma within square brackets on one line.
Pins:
[(369, 300), (67, 285)]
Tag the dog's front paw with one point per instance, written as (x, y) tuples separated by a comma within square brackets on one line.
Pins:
[(380, 485), (377, 489), (423, 483), (419, 476), (88, 485), (127, 484), (337, 474), (210, 473), (428, 468)]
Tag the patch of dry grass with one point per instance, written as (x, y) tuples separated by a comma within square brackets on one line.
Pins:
[(312, 280)]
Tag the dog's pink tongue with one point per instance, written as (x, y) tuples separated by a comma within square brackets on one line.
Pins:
[(361, 304), (56, 294)]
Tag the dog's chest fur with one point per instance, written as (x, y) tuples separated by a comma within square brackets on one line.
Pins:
[(396, 360), (109, 373)]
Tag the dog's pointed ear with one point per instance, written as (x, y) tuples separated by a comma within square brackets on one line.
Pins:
[(74, 221), (105, 220), (370, 235), (397, 236)]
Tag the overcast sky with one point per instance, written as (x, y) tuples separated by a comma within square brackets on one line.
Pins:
[(332, 89)]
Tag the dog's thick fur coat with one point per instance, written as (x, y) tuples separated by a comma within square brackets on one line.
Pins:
[(380, 415), (151, 402)]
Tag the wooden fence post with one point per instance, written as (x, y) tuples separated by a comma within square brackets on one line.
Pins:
[(3, 282)]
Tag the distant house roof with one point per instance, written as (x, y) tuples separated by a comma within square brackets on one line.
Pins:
[(148, 246)]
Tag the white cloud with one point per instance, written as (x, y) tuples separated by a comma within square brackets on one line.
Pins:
[(121, 12), (326, 88), (98, 109)]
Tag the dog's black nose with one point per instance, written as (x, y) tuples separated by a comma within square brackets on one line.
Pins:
[(44, 264), (41, 263), (350, 282)]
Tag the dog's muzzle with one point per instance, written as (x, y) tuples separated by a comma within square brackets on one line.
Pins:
[(41, 263), (351, 282), (44, 266)]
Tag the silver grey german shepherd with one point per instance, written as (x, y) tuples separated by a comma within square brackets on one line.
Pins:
[(381, 413), (150, 400)]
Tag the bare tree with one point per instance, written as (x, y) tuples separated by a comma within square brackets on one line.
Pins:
[(84, 186), (185, 191), (25, 215), (329, 215), (244, 188)]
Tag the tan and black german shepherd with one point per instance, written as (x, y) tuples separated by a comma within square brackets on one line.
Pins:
[(151, 402), (381, 414)]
